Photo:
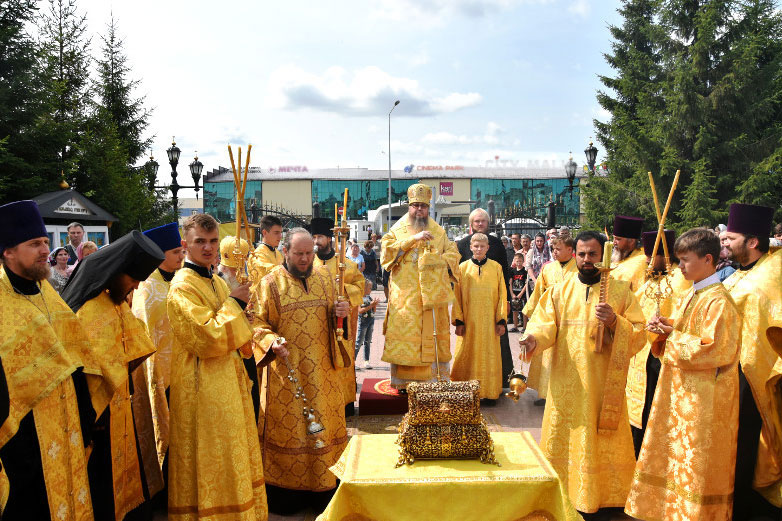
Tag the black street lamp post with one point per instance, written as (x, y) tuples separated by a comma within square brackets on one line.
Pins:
[(570, 170), (591, 156), (196, 167), (152, 167)]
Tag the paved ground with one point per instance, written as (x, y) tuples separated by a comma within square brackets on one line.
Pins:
[(506, 415)]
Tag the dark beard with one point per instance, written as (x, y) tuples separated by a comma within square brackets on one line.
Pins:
[(116, 291), (293, 270), (589, 273), (35, 272)]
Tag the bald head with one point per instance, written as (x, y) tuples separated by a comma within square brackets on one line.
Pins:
[(299, 252)]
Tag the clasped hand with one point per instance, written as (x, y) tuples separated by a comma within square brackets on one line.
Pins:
[(423, 236), (657, 324)]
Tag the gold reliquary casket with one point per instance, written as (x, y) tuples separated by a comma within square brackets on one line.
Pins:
[(444, 421)]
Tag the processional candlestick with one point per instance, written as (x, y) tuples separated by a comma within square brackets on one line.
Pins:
[(662, 288), (240, 183)]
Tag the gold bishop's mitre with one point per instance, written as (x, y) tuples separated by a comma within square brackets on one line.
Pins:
[(419, 193)]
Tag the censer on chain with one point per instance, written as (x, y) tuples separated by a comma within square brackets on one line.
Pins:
[(314, 427), (517, 382)]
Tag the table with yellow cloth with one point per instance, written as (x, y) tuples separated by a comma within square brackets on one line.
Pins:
[(524, 488)]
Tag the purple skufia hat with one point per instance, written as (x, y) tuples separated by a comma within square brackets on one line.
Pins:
[(750, 219), (166, 236), (648, 239), (629, 227), (21, 222)]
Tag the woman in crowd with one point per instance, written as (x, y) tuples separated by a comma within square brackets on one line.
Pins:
[(60, 271)]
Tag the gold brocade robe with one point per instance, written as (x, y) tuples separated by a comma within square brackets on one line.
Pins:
[(407, 327), (481, 302), (215, 467), (354, 287), (260, 262), (540, 365), (119, 341), (758, 296), (41, 345), (632, 269), (149, 306), (686, 466), (585, 434), (636, 375), (305, 318)]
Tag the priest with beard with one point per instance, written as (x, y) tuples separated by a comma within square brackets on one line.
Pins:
[(295, 344), (479, 223), (320, 227), (756, 288), (586, 433), (628, 259), (123, 469), (409, 328), (45, 411)]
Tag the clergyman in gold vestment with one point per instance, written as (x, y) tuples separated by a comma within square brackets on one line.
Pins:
[(354, 289), (554, 272), (755, 288), (585, 434), (479, 314), (123, 466), (686, 465), (43, 391), (628, 260), (149, 305), (408, 328), (215, 467), (645, 367), (295, 330)]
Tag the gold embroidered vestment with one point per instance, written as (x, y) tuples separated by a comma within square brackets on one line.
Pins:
[(215, 468), (586, 435)]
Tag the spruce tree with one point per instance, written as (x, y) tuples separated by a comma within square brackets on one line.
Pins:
[(114, 90), (21, 144), (632, 98), (66, 60)]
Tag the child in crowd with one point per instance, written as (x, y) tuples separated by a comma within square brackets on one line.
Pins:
[(366, 323), (518, 293), (689, 448), (479, 316)]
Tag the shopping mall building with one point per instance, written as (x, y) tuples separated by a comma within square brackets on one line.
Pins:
[(457, 190)]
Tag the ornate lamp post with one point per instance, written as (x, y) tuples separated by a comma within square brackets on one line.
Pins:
[(570, 171), (591, 156), (389, 163), (151, 167), (196, 167)]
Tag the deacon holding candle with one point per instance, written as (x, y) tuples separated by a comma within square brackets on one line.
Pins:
[(586, 433)]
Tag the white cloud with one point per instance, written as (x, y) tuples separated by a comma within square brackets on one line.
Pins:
[(366, 92), (580, 8), (431, 11), (490, 137)]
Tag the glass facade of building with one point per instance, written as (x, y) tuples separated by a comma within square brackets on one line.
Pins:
[(528, 193), (220, 199), (363, 195)]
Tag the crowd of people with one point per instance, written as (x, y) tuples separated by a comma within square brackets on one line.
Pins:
[(216, 376)]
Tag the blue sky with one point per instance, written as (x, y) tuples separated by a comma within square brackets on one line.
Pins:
[(311, 83)]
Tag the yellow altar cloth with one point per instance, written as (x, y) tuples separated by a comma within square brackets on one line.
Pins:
[(524, 488)]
